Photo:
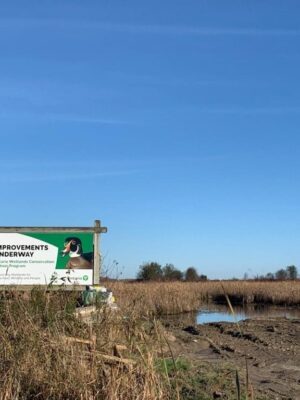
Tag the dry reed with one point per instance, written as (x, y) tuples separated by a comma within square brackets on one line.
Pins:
[(36, 360), (176, 297)]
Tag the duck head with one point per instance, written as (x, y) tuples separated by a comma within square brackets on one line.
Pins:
[(72, 246)]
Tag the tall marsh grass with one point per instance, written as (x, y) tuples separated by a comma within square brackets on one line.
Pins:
[(39, 361), (48, 353), (176, 297)]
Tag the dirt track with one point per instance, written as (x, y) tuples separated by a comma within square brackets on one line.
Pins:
[(272, 348)]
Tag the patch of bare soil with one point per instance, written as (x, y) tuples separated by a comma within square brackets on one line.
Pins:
[(271, 347)]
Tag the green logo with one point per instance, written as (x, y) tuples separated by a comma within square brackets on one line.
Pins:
[(85, 277)]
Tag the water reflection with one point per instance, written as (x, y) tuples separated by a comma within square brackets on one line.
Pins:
[(221, 313)]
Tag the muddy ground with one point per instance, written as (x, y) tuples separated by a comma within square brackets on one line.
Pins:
[(272, 349)]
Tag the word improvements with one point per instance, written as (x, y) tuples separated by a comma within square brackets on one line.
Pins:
[(9, 250)]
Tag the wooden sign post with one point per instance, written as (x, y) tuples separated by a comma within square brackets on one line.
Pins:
[(97, 254)]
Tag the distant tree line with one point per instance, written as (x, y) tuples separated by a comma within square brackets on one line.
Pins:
[(288, 273), (153, 271)]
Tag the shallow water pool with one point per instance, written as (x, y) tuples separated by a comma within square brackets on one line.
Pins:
[(221, 313)]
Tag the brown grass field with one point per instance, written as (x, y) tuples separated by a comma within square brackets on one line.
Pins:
[(48, 353), (175, 297)]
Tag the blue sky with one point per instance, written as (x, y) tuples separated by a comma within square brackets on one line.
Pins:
[(176, 123)]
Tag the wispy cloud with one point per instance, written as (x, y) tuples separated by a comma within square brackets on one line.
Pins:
[(153, 29), (33, 99), (250, 110), (57, 89), (196, 31), (86, 118), (63, 118), (158, 80), (61, 176)]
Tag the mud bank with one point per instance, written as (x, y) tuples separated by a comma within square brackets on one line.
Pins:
[(271, 347)]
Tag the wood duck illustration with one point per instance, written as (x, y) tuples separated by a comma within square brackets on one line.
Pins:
[(78, 260)]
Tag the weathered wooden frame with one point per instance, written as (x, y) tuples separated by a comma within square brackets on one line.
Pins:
[(97, 229)]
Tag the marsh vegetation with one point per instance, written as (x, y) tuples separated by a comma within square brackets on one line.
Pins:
[(47, 352), (177, 297)]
